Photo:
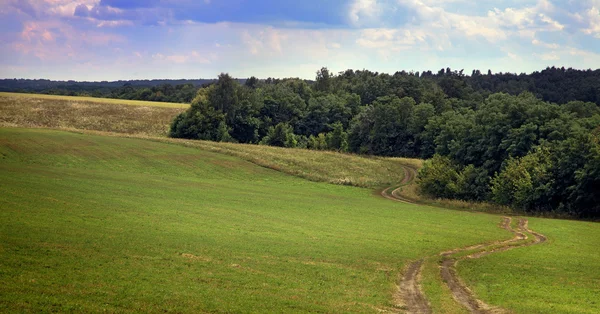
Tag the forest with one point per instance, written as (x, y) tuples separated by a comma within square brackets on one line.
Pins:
[(176, 91), (530, 142)]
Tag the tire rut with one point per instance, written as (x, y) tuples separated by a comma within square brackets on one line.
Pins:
[(409, 290), (460, 291), (409, 175)]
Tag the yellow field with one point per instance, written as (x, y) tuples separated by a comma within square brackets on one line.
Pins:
[(97, 100), (86, 113)]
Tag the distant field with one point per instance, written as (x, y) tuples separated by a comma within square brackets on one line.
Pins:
[(95, 223), (97, 100), (84, 113)]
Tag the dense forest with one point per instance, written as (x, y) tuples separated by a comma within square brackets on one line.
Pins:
[(180, 91), (531, 142)]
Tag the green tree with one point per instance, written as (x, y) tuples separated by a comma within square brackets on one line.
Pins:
[(281, 135), (324, 81), (201, 121), (337, 139), (439, 177), (525, 183)]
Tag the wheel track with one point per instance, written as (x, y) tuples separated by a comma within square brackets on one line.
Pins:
[(391, 192), (409, 290), (460, 291)]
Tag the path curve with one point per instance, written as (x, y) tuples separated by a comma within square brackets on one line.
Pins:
[(391, 192), (410, 291), (460, 291)]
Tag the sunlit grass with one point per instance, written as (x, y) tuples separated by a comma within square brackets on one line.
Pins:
[(95, 223), (561, 275), (65, 112), (111, 101)]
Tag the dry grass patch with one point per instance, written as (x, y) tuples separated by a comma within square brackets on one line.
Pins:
[(111, 101), (70, 113)]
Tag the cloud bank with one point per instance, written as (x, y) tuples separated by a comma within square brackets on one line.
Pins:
[(127, 39)]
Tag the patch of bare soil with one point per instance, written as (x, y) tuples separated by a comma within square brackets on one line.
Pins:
[(410, 291)]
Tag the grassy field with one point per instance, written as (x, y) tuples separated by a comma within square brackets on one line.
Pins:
[(94, 100), (96, 223), (561, 276), (152, 122), (94, 220), (320, 166), (64, 112)]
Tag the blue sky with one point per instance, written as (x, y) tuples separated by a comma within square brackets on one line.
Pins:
[(145, 39)]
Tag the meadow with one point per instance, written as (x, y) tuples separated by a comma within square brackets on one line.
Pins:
[(126, 222), (94, 223), (105, 101), (561, 276), (87, 113)]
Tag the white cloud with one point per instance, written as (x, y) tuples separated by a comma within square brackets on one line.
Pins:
[(437, 19), (554, 25), (592, 16), (536, 42), (386, 38), (192, 57), (114, 23), (551, 56), (363, 10), (268, 41)]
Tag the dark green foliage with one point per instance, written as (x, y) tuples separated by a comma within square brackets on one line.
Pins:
[(473, 184), (524, 182), (512, 148), (439, 177), (281, 135), (384, 128), (201, 122), (337, 139)]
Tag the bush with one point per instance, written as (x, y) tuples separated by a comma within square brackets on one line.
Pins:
[(439, 177)]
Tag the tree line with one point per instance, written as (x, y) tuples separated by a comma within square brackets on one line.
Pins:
[(513, 149), (558, 85), (179, 91)]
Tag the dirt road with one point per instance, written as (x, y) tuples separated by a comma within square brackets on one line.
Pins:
[(409, 291)]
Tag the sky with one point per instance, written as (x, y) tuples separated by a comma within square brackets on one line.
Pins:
[(97, 40)]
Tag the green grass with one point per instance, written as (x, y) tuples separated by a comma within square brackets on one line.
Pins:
[(26, 110), (559, 276), (320, 166), (94, 223), (111, 101)]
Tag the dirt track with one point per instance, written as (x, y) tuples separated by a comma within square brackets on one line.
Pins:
[(409, 290), (409, 175), (460, 291)]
